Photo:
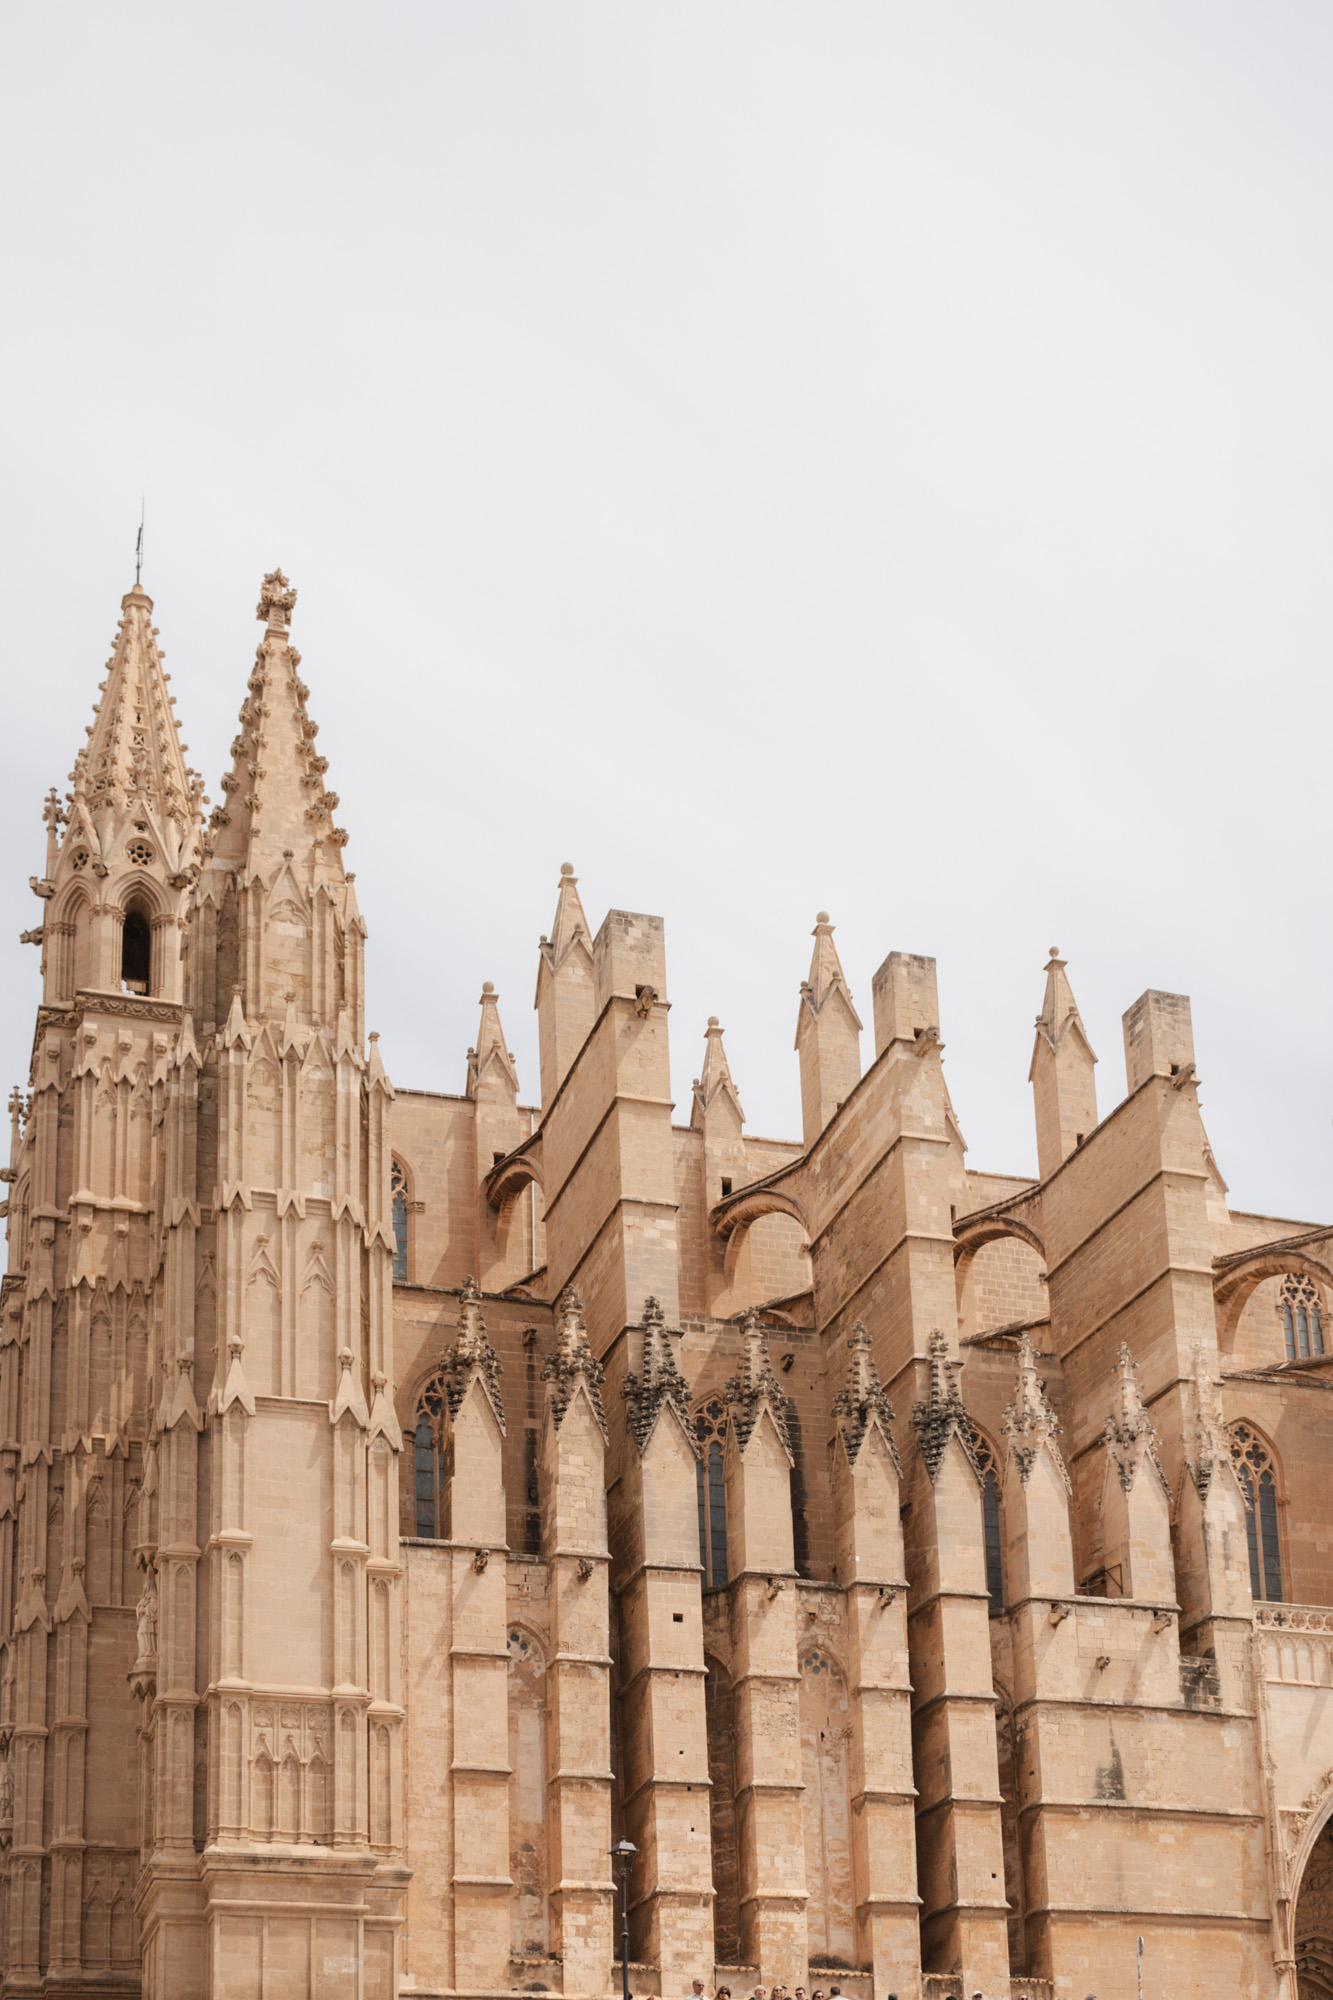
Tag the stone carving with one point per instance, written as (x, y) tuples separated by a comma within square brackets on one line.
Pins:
[(1128, 1432), (473, 1357), (277, 601), (661, 1385), (1206, 1443), (861, 1400), (573, 1359), (145, 1614), (756, 1388), (1029, 1423), (941, 1415)]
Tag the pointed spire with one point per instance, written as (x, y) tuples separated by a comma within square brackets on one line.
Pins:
[(826, 973), (1063, 1088), (565, 1000), (1029, 1421), (134, 758), (1128, 1432), (472, 1357), (715, 1079), (490, 1051), (277, 806), (573, 1358), (941, 1415), (828, 1035), (756, 1387), (569, 919), (861, 1401), (661, 1384)]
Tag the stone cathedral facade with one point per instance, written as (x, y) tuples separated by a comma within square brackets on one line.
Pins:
[(406, 1495)]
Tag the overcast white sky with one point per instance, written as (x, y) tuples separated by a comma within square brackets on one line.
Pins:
[(865, 457)]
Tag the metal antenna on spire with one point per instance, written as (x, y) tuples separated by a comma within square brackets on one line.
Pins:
[(138, 546)]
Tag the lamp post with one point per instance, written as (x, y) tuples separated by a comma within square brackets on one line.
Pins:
[(623, 1854)]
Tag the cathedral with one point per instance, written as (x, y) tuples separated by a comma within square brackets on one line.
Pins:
[(477, 1544)]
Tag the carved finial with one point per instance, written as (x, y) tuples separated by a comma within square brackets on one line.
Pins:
[(661, 1383), (1128, 1432), (573, 1358), (861, 1401), (756, 1386), (942, 1415), (1029, 1422), (277, 601), (473, 1356)]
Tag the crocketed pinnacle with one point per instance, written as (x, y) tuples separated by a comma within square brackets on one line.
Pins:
[(661, 1384), (715, 1079), (756, 1388), (570, 923), (1128, 1431), (573, 1360), (861, 1401), (490, 1051), (1029, 1422), (942, 1415), (134, 760), (276, 802), (472, 1358), (1207, 1445)]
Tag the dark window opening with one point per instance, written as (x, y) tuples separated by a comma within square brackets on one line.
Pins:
[(710, 1427), (136, 952), (726, 1188)]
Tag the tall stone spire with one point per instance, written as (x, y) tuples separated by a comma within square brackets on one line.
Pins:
[(472, 1357), (1063, 1089), (134, 761), (828, 1035), (115, 881), (564, 1002), (277, 806)]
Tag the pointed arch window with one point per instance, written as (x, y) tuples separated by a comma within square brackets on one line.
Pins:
[(990, 1519), (428, 1457), (398, 1191), (1302, 1319), (710, 1427), (1258, 1477)]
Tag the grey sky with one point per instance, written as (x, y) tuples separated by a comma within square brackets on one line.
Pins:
[(863, 457)]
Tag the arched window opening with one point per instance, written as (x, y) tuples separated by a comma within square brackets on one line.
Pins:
[(136, 953), (1302, 1320), (428, 1459), (990, 1520), (1254, 1469), (398, 1189), (710, 1427)]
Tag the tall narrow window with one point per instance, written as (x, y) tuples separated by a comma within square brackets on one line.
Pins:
[(136, 952), (710, 1427), (428, 1459), (1302, 1320), (990, 1520), (398, 1186), (1254, 1468)]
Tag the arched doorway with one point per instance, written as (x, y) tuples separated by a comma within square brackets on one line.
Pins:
[(1314, 1921)]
